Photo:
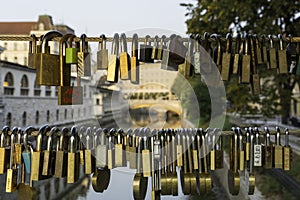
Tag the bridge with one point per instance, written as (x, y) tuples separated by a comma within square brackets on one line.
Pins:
[(168, 105)]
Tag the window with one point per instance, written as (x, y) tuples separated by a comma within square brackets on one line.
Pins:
[(37, 116), (97, 101), (66, 113), (8, 119), (48, 91), (24, 86), (57, 115), (48, 116), (15, 46), (24, 118), (25, 61), (37, 89), (5, 45), (8, 84)]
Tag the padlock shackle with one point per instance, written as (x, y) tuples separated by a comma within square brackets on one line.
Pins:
[(123, 42), (271, 40), (247, 45), (280, 42), (134, 45), (147, 39), (103, 42), (88, 135), (115, 45), (83, 43), (32, 44), (228, 42), (49, 36)]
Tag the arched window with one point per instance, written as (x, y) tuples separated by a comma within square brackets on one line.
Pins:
[(8, 119), (48, 91), (37, 116), (24, 118), (37, 89), (57, 115), (8, 84), (48, 115), (66, 113), (24, 86)]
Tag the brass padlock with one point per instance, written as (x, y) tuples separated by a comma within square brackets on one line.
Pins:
[(237, 58), (282, 59), (257, 150), (119, 149), (217, 55), (113, 61), (233, 175), (134, 61), (257, 50), (184, 177), (12, 171), (101, 150), (227, 59), (73, 157), (133, 150), (268, 151), (241, 150), (83, 58), (32, 52), (18, 147), (68, 95), (255, 82), (102, 54), (38, 156), (4, 150), (47, 72), (272, 54), (89, 159), (264, 52), (124, 59), (100, 179), (28, 150), (278, 151), (61, 158), (187, 68), (161, 47), (155, 48), (246, 61), (249, 174), (49, 154), (146, 165), (146, 51), (286, 152)]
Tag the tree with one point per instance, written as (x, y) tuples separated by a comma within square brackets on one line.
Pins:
[(254, 17)]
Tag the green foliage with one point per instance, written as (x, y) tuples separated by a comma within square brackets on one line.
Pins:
[(254, 17)]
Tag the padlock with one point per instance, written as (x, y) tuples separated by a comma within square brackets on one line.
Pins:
[(102, 54), (257, 150), (272, 54), (286, 152), (37, 156), (134, 61), (73, 157), (124, 59), (100, 179), (4, 151), (140, 183), (133, 150), (187, 68), (146, 165), (174, 55), (233, 175), (268, 151), (113, 61), (119, 149), (227, 59), (241, 150), (146, 51), (155, 48), (49, 154), (12, 171), (68, 95), (71, 52), (184, 177), (249, 173), (47, 72), (282, 59), (208, 180), (32, 52), (219, 152), (101, 150), (18, 147), (264, 53), (173, 161), (61, 158), (278, 151), (255, 82), (217, 52), (246, 61), (89, 159), (28, 150), (161, 47), (237, 58), (258, 50), (84, 58)]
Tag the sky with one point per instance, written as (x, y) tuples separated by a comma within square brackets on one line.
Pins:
[(95, 17)]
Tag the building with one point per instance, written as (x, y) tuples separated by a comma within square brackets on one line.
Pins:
[(17, 51)]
